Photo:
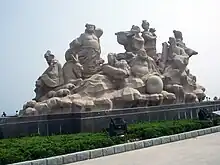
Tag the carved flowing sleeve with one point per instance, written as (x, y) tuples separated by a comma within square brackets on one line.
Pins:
[(53, 70), (146, 35), (51, 76), (76, 43), (79, 40)]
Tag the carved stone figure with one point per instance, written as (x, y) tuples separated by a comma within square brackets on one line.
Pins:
[(176, 61), (115, 69), (179, 40), (72, 69), (51, 78), (131, 40), (87, 46), (176, 58), (150, 39)]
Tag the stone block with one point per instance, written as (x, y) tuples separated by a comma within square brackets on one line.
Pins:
[(84, 155), (174, 138), (208, 131), (96, 153), (129, 146), (148, 143), (108, 151), (165, 139), (182, 136), (56, 160), (69, 158), (194, 133), (214, 129), (218, 128), (156, 141), (139, 144), (188, 135), (201, 132), (119, 148), (22, 163), (39, 162)]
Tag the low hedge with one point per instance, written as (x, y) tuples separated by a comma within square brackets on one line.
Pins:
[(29, 148)]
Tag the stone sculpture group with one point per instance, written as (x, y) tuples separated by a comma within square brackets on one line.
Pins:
[(139, 77)]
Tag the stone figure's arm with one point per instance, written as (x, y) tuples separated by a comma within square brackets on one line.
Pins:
[(130, 35), (98, 32), (182, 52), (172, 55), (148, 36), (77, 42), (80, 39), (53, 70)]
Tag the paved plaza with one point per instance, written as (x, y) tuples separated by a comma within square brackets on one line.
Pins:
[(203, 150)]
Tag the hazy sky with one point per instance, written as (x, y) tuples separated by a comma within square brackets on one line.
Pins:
[(30, 27)]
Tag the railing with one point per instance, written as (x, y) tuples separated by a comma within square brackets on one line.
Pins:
[(97, 120)]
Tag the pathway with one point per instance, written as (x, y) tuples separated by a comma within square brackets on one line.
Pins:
[(203, 150)]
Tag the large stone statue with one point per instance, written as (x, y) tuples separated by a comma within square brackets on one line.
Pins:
[(137, 77), (51, 78), (87, 46)]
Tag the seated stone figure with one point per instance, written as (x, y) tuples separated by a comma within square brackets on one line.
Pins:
[(51, 78), (87, 46), (179, 40), (177, 57), (72, 69)]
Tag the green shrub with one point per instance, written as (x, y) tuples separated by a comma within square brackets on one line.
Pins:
[(36, 147)]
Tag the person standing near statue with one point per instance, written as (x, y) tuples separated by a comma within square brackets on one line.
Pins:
[(4, 114)]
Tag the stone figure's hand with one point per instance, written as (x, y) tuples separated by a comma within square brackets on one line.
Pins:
[(186, 61), (130, 54), (173, 55)]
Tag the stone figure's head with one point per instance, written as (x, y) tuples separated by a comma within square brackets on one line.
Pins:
[(90, 28), (178, 35), (123, 64), (49, 57), (135, 29), (172, 41), (145, 25)]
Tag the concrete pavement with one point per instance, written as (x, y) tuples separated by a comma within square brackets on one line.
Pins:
[(203, 150)]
